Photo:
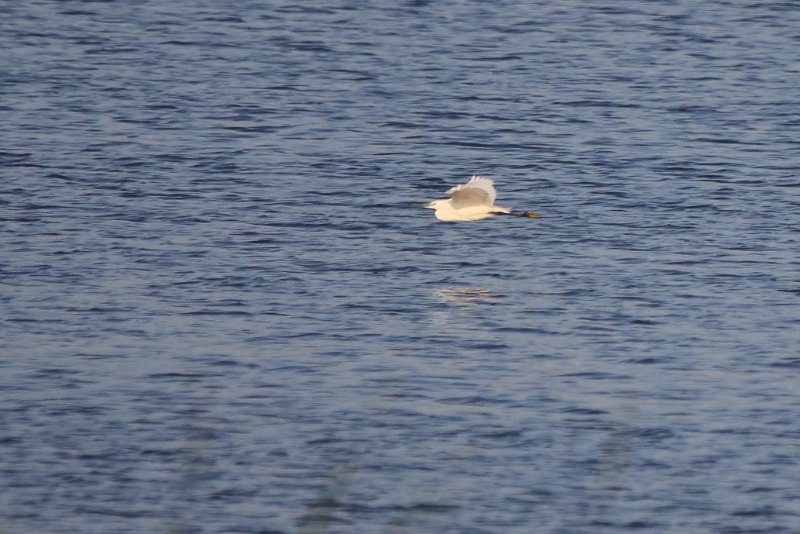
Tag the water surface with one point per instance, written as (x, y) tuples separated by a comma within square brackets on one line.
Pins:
[(223, 309)]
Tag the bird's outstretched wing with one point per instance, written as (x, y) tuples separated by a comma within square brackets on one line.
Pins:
[(477, 192)]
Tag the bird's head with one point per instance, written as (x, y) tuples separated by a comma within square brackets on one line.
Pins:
[(436, 204)]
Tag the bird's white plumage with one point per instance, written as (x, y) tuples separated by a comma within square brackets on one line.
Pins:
[(471, 201), (478, 190)]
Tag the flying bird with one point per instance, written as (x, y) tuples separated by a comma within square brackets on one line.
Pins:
[(472, 201)]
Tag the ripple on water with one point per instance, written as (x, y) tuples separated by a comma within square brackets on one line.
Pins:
[(223, 309)]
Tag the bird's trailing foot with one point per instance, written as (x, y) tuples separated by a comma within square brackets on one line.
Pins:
[(526, 214)]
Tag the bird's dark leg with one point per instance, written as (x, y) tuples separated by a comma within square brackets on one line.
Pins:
[(526, 214)]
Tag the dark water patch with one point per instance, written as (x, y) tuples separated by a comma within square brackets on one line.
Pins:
[(584, 411)]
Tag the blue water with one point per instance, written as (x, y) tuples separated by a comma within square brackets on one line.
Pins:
[(224, 310)]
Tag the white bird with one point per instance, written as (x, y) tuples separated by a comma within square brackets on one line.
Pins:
[(471, 201)]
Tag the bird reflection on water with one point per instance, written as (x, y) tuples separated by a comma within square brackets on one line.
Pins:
[(465, 295), (461, 296)]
